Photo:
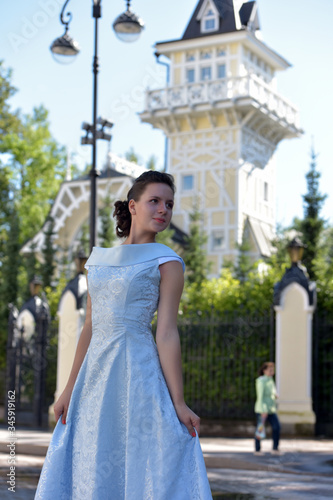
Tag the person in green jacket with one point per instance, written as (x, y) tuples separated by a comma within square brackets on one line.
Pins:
[(265, 406)]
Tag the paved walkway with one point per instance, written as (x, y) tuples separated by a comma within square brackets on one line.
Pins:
[(304, 470)]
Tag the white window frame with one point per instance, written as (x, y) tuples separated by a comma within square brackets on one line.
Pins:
[(208, 11), (205, 79), (221, 52), (186, 75), (218, 233), (190, 56), (225, 71), (193, 183), (209, 20), (206, 54)]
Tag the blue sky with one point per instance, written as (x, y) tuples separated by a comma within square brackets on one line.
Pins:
[(299, 30)]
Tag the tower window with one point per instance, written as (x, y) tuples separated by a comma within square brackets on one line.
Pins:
[(190, 56), (209, 22), (187, 182), (206, 54), (221, 72), (265, 191), (206, 73), (217, 239), (190, 75), (221, 52)]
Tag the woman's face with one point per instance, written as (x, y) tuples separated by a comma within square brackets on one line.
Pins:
[(153, 211), (270, 370)]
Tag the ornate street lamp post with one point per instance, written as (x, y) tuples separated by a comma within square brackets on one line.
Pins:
[(128, 27)]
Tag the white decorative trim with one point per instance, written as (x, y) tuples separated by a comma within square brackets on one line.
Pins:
[(245, 37), (278, 310), (255, 148), (124, 166), (205, 4), (248, 87), (309, 354), (78, 192), (237, 6)]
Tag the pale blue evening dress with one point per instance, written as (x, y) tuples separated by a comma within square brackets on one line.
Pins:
[(122, 439)]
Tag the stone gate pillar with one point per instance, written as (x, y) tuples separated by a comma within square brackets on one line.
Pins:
[(294, 300), (71, 312)]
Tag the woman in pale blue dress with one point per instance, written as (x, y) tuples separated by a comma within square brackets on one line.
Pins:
[(124, 431)]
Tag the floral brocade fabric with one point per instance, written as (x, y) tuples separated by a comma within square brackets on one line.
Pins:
[(122, 439)]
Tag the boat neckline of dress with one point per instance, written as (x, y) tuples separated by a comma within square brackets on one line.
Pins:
[(131, 245), (137, 244)]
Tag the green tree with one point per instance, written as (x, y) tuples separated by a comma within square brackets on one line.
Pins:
[(329, 252), (165, 237), (195, 255), (77, 172), (8, 216), (32, 166), (312, 224), (279, 256), (227, 293), (12, 259), (9, 120), (5, 208), (85, 238), (107, 234), (9, 283), (48, 252), (152, 162), (132, 156), (244, 262), (31, 266), (37, 165)]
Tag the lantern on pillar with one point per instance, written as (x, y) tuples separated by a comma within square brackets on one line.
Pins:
[(297, 273)]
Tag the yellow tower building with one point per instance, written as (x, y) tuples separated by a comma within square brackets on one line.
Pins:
[(223, 119)]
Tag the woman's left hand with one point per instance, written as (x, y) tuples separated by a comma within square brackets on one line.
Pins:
[(188, 418)]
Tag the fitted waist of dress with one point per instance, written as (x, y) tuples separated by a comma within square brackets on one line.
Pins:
[(120, 323)]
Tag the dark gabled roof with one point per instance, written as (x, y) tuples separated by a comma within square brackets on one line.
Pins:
[(79, 292), (179, 236), (106, 172), (249, 15), (225, 9)]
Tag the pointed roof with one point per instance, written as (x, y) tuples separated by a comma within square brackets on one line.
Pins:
[(229, 19), (249, 15)]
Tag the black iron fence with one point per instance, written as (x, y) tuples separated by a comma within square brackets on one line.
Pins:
[(31, 366), (322, 379), (221, 358)]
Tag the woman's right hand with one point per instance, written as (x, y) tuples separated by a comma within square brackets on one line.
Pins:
[(62, 404), (188, 418)]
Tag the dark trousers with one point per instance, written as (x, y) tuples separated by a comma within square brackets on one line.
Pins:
[(272, 418)]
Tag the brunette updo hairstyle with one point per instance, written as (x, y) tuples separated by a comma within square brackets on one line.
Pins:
[(121, 211), (264, 367)]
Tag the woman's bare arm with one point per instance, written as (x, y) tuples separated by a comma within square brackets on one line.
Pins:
[(82, 346), (168, 342)]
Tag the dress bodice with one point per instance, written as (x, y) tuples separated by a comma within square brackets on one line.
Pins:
[(123, 284)]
